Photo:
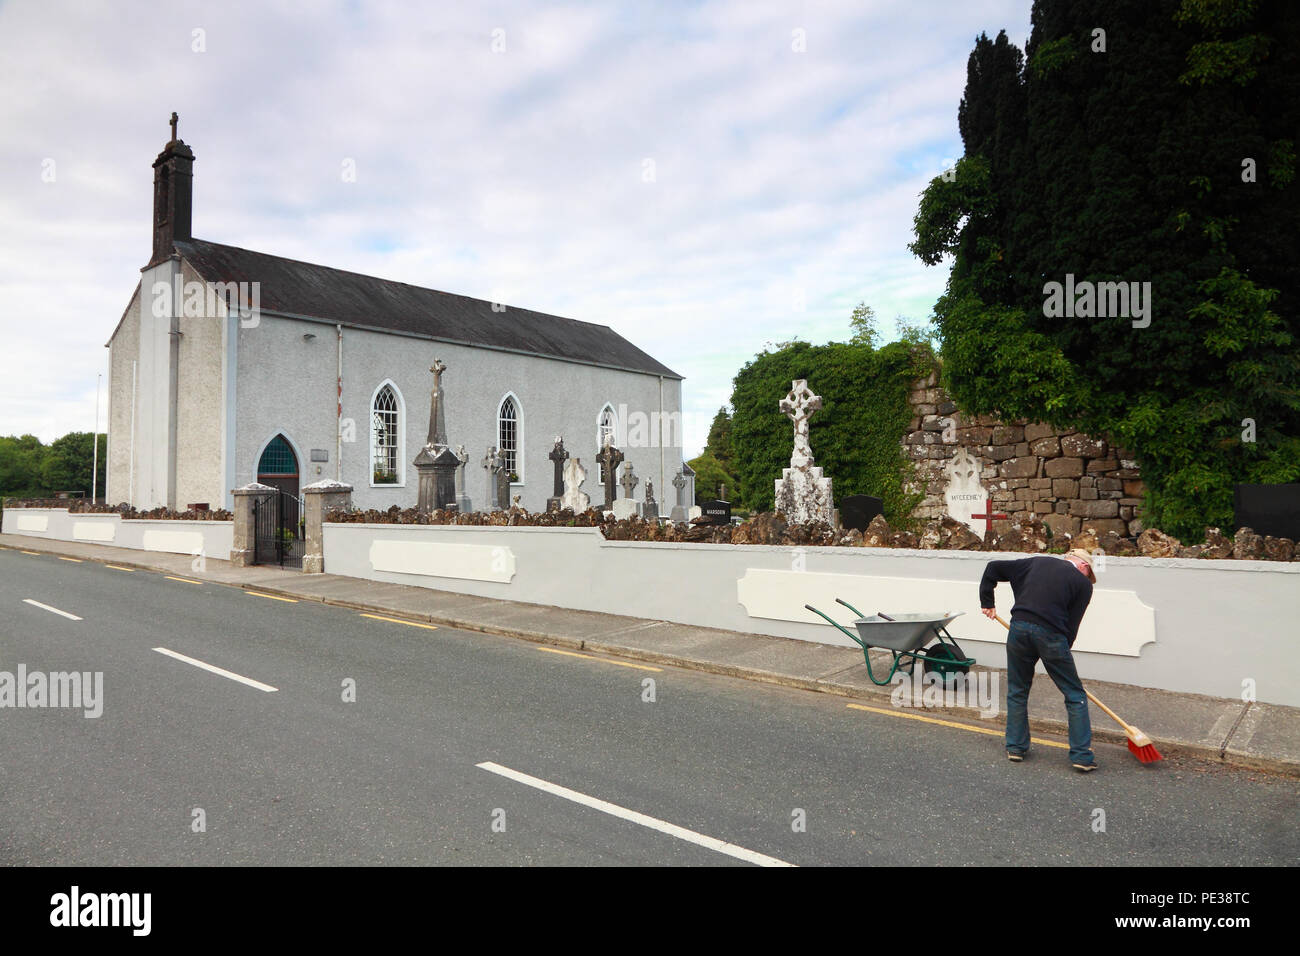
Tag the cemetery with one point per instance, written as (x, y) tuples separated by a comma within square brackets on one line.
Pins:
[(1156, 620)]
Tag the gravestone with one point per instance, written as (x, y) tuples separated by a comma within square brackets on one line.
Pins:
[(609, 458), (492, 465), (716, 511), (803, 493), (436, 463), (964, 497), (463, 504), (503, 486), (1267, 509), (678, 514), (574, 497), (558, 456), (856, 511), (651, 507)]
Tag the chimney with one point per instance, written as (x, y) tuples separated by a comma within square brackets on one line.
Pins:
[(173, 191)]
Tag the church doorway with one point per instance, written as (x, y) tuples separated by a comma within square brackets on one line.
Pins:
[(278, 466)]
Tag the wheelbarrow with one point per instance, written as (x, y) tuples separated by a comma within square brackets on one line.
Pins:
[(904, 635)]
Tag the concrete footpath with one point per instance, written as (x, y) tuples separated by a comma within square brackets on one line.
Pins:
[(1255, 735)]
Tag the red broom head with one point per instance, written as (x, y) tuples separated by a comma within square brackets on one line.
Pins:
[(1147, 754)]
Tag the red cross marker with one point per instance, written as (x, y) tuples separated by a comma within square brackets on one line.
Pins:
[(989, 517)]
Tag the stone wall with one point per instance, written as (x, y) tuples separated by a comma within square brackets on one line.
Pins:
[(1066, 478)]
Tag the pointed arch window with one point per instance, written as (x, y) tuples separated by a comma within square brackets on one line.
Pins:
[(606, 424), (386, 437), (509, 437), (277, 459)]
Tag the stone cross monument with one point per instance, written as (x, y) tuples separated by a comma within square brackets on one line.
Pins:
[(802, 493), (558, 456), (609, 458), (678, 514), (629, 481), (436, 462)]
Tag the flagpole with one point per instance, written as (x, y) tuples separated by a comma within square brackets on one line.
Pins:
[(94, 468)]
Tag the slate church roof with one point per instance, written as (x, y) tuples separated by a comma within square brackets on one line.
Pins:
[(298, 288)]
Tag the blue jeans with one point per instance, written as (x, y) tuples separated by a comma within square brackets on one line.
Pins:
[(1027, 643)]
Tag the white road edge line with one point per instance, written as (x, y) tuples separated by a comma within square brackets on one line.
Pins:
[(216, 670), (613, 809), (52, 610)]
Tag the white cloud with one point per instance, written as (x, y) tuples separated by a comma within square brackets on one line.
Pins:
[(515, 175)]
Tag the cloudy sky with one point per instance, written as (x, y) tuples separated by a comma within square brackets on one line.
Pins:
[(703, 177)]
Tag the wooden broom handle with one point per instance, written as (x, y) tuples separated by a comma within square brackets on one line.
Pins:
[(1114, 716)]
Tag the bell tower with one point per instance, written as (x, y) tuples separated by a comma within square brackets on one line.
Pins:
[(173, 192)]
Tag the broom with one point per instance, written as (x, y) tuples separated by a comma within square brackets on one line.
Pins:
[(1139, 743)]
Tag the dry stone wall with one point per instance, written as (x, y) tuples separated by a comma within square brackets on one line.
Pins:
[(1065, 478)]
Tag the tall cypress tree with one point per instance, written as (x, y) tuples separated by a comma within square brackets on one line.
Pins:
[(1117, 150)]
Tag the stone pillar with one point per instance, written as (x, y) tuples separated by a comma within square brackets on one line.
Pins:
[(241, 555), (318, 499)]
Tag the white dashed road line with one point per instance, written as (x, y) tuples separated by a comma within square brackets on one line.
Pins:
[(52, 610), (613, 809), (216, 670)]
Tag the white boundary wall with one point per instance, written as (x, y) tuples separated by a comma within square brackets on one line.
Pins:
[(1183, 625), (214, 539)]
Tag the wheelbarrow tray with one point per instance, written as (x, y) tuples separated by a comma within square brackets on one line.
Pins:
[(905, 632)]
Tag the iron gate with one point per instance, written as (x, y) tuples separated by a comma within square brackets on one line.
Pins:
[(277, 530)]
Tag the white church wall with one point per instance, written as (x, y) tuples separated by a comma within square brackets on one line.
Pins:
[(153, 395), (199, 409), (1197, 626), (286, 384), (124, 349)]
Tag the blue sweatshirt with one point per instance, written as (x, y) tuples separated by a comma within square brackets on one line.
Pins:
[(1048, 591)]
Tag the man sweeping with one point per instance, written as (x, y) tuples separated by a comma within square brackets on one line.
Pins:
[(1051, 594)]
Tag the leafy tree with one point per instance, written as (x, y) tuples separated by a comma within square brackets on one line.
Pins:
[(863, 323), (30, 469), (710, 475), (68, 463), (1168, 158), (719, 440), (20, 466)]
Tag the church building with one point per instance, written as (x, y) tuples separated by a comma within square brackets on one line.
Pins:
[(231, 366)]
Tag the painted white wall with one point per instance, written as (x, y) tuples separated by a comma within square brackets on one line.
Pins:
[(213, 539), (1215, 623)]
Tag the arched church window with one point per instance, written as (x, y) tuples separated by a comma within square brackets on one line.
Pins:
[(508, 437), (606, 424), (385, 432), (277, 459)]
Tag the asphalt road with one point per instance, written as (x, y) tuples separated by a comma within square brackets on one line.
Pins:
[(300, 776)]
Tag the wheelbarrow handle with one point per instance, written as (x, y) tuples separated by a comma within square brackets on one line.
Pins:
[(849, 606), (843, 630)]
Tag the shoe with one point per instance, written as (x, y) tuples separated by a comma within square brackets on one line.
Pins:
[(1015, 757), (1084, 767)]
